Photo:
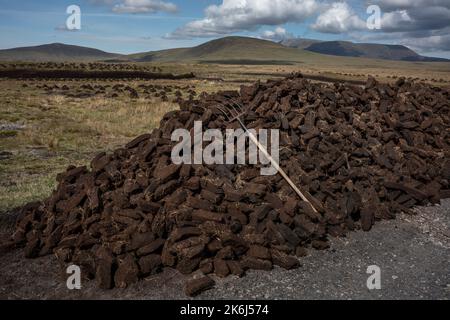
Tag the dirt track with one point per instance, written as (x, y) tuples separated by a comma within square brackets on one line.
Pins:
[(415, 266)]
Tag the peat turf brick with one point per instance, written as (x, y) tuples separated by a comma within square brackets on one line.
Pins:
[(150, 264), (221, 268), (194, 287), (104, 259), (127, 273)]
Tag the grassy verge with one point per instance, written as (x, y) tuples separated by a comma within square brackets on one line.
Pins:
[(59, 131)]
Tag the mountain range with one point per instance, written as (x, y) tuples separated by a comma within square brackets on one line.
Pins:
[(362, 50), (233, 50)]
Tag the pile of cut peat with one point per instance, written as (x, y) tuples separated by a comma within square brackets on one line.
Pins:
[(362, 153)]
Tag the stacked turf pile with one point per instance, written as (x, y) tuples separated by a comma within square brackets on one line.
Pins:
[(363, 154)]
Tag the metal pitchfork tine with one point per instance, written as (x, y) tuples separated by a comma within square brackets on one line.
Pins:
[(235, 111)]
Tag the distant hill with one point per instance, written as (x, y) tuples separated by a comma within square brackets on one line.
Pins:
[(362, 50), (228, 50), (298, 43), (55, 52), (376, 51)]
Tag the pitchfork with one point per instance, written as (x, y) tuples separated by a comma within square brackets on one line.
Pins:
[(233, 112)]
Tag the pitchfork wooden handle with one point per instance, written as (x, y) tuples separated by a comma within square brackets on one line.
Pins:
[(277, 166)]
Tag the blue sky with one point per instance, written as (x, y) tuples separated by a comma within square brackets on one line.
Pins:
[(129, 26)]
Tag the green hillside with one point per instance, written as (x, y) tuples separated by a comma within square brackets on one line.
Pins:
[(55, 52), (227, 50)]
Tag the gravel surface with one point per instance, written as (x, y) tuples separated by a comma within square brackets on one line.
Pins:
[(412, 252)]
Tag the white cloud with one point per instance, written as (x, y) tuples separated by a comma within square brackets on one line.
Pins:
[(103, 2), (416, 19), (338, 18), (417, 24), (276, 35), (430, 44), (395, 20), (246, 15), (426, 41), (144, 6), (393, 5)]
